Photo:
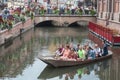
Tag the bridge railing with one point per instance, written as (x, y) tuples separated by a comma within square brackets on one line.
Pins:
[(75, 15)]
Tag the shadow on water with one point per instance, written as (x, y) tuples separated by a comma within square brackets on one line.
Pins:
[(69, 72)]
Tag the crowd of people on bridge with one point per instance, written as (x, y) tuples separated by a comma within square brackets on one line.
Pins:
[(62, 10), (81, 52), (10, 16)]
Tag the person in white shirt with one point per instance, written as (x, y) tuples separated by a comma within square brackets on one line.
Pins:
[(97, 50)]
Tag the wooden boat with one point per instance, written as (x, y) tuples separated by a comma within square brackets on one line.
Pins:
[(52, 72), (63, 63)]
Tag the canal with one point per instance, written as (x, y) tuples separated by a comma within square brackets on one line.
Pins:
[(19, 58)]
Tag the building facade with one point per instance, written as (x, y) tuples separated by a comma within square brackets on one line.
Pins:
[(109, 13)]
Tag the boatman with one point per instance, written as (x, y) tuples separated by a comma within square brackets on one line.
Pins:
[(105, 48)]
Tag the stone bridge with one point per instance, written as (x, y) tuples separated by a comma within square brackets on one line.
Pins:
[(65, 20)]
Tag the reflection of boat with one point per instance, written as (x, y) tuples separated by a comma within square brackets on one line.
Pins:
[(62, 63), (51, 72)]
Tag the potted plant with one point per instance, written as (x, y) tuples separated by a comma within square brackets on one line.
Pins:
[(68, 11), (31, 15), (22, 18), (55, 10), (42, 12), (10, 25)]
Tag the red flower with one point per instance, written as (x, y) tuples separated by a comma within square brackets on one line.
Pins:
[(42, 8)]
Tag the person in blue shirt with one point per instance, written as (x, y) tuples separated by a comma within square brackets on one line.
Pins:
[(91, 53), (105, 48)]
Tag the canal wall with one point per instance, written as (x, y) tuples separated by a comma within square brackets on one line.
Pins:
[(6, 35)]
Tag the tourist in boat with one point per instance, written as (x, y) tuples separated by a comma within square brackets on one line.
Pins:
[(66, 53), (72, 47), (60, 50), (78, 45), (91, 53), (97, 50), (105, 48), (85, 48), (73, 55), (81, 53)]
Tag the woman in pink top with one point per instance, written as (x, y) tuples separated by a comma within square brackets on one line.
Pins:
[(66, 53)]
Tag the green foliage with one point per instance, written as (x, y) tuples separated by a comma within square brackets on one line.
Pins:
[(10, 26), (56, 11), (68, 11), (1, 25), (79, 12), (17, 18), (92, 12), (42, 12), (6, 25), (32, 16), (23, 19), (27, 13)]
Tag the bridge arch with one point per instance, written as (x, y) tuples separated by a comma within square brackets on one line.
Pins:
[(48, 23), (79, 23), (65, 20)]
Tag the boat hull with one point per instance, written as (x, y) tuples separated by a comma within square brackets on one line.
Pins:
[(63, 63)]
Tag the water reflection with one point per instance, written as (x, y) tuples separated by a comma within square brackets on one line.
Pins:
[(114, 70), (86, 72), (51, 38), (21, 54), (18, 60)]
